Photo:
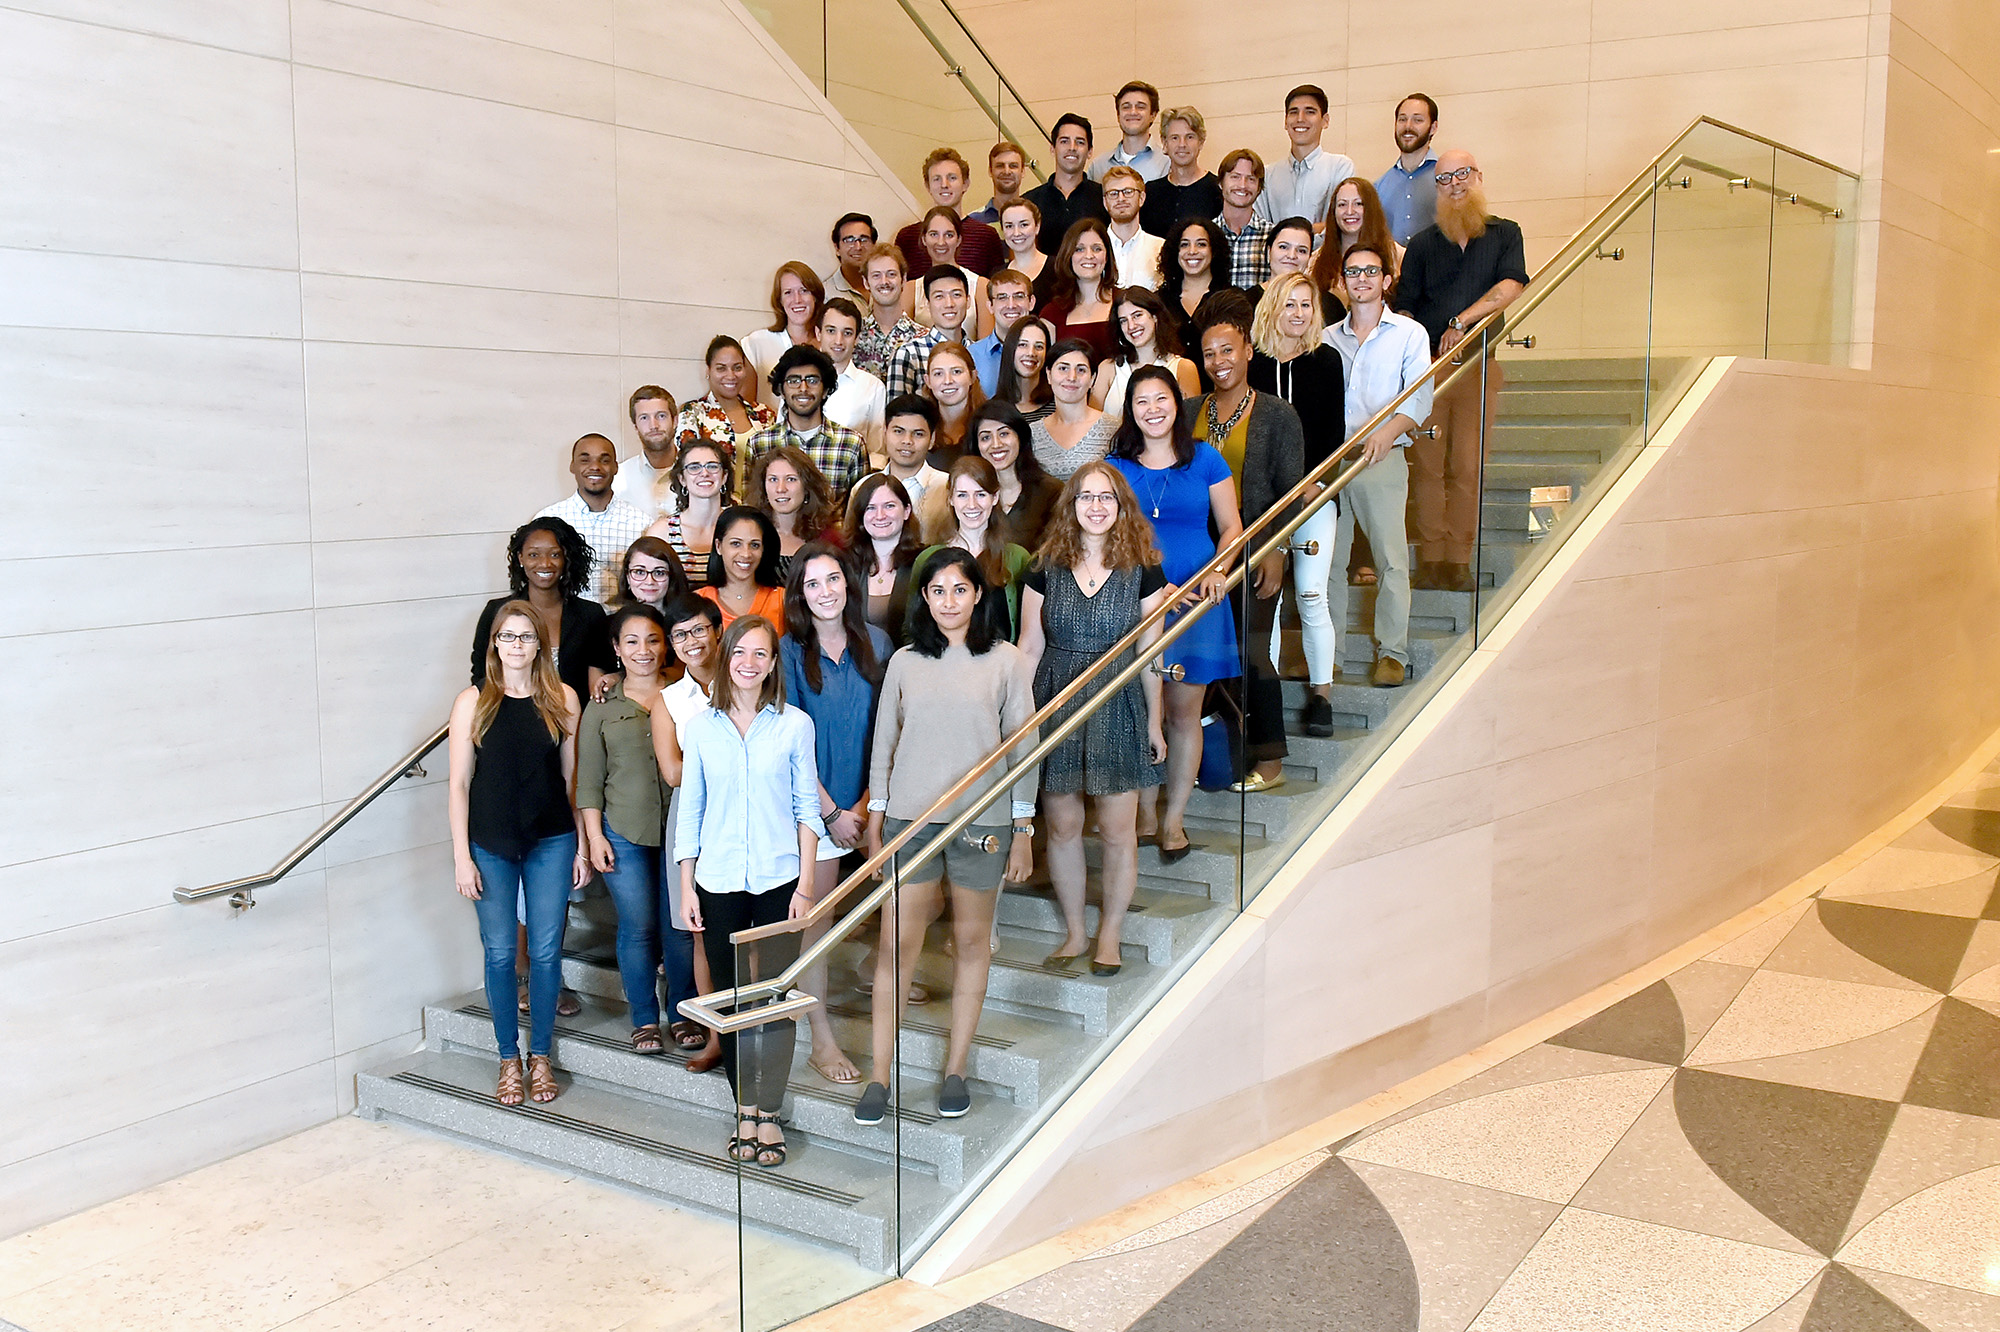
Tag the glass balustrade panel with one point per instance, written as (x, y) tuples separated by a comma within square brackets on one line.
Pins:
[(1812, 261)]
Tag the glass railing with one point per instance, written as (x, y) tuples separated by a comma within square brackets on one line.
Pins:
[(1724, 245), (910, 76)]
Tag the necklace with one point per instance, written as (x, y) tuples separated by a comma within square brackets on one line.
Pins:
[(1218, 432), (1156, 493)]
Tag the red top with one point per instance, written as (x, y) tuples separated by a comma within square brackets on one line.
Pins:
[(769, 603)]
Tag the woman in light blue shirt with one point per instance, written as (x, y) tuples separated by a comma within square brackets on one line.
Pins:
[(748, 821)]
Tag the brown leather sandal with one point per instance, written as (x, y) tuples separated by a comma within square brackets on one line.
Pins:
[(689, 1036), (542, 1079), (646, 1040), (508, 1090)]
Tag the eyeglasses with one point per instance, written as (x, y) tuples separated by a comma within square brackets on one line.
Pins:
[(857, 240), (1094, 497), (1123, 192), (680, 636), (509, 636), (803, 381), (1463, 173), (701, 467), (649, 575), (1362, 270)]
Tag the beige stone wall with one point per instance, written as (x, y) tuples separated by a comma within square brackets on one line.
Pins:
[(301, 304), (1562, 101), (1789, 631)]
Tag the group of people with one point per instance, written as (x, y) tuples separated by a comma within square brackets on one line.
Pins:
[(950, 476)]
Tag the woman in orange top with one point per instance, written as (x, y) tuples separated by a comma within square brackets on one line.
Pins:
[(743, 568)]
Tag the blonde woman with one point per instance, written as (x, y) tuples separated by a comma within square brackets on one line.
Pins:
[(515, 831)]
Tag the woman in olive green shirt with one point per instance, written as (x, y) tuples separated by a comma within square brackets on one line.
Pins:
[(619, 792)]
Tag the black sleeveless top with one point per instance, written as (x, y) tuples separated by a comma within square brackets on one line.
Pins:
[(518, 796)]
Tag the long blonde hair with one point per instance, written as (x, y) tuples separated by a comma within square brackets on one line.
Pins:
[(1264, 334), (545, 687)]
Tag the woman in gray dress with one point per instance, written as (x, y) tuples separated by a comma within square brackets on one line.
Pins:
[(1096, 576)]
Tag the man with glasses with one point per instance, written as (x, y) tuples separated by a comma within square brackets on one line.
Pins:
[(803, 377), (1303, 186), (1409, 187), (1384, 353), (607, 524), (1136, 250), (1466, 265), (642, 478), (853, 238)]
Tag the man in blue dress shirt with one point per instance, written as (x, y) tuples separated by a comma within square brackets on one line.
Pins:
[(1409, 187)]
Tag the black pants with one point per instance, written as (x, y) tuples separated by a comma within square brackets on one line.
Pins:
[(758, 1060), (1263, 694)]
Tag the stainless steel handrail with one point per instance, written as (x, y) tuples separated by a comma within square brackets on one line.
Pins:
[(240, 892), (994, 65), (956, 69)]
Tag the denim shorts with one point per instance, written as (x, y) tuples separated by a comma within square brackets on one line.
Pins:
[(966, 865)]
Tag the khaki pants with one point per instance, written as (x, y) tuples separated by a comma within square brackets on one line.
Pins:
[(1374, 500), (1444, 472)]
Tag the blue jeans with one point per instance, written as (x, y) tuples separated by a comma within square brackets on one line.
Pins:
[(635, 891), (543, 879)]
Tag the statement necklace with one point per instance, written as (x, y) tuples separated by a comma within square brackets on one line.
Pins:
[(1218, 432)]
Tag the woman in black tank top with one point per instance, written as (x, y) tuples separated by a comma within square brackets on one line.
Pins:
[(514, 830)]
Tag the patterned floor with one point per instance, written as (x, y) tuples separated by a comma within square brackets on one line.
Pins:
[(1798, 1133)]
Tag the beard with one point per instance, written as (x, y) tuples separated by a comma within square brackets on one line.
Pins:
[(1463, 220), (1420, 144)]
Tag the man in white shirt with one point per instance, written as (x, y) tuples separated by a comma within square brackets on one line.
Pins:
[(1384, 353), (642, 478), (858, 397), (1138, 102), (906, 438), (607, 524), (1304, 184), (1135, 250), (853, 238)]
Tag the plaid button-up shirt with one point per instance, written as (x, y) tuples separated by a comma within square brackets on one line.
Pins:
[(837, 451), (1249, 258)]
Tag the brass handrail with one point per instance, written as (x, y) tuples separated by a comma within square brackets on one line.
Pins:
[(1440, 375), (241, 892)]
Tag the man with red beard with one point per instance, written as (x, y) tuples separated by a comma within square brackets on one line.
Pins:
[(1455, 272)]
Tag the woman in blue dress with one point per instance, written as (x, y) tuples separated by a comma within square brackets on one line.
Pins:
[(1181, 484)]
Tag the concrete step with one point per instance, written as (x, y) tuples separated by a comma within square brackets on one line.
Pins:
[(1161, 925), (594, 1047), (823, 1191), (1607, 401)]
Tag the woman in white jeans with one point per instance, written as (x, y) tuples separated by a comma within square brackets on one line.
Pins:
[(1292, 362)]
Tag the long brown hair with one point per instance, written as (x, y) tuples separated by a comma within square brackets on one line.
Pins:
[(816, 511), (993, 559), (975, 392), (1062, 287), (908, 546), (803, 629), (1129, 543), (1374, 235), (722, 693), (655, 549), (545, 687), (807, 279)]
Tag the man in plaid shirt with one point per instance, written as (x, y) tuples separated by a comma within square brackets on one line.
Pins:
[(1242, 178), (950, 298), (802, 378)]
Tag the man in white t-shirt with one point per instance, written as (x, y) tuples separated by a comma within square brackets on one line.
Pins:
[(607, 524), (642, 478), (858, 397)]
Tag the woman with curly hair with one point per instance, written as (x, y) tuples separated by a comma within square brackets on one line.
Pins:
[(882, 530), (1194, 261), (788, 489), (743, 568), (549, 566), (1146, 335), (701, 483), (1096, 576)]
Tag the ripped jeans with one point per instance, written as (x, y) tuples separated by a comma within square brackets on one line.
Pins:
[(1309, 591)]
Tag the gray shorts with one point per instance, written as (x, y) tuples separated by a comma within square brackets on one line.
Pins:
[(966, 865)]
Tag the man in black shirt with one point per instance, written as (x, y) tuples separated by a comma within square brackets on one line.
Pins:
[(1068, 196), (1457, 271), (1186, 190)]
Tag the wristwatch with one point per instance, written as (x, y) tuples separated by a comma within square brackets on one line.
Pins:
[(1453, 322), (1028, 828)]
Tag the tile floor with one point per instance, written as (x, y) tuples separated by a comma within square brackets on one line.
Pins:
[(1799, 1132)]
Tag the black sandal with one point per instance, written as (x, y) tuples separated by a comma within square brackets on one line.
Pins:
[(739, 1147), (770, 1155)]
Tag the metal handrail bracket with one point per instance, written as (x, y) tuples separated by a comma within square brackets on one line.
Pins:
[(241, 892)]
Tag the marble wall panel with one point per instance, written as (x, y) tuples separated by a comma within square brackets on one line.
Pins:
[(52, 289), (63, 594), (399, 937)]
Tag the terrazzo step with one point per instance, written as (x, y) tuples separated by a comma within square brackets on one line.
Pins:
[(1263, 813), (828, 1195), (1608, 401), (1509, 480), (1011, 1056), (594, 1047), (1160, 924)]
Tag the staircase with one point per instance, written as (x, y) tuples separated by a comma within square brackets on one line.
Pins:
[(645, 1122)]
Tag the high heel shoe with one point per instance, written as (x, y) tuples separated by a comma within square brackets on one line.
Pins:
[(1175, 854)]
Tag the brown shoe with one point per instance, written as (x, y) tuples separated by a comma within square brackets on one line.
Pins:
[(508, 1090), (542, 1079), (1456, 578), (1424, 577), (1388, 673)]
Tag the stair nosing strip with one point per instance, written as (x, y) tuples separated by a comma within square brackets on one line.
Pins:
[(651, 1146)]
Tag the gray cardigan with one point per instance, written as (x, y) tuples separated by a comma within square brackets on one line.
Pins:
[(1274, 454)]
